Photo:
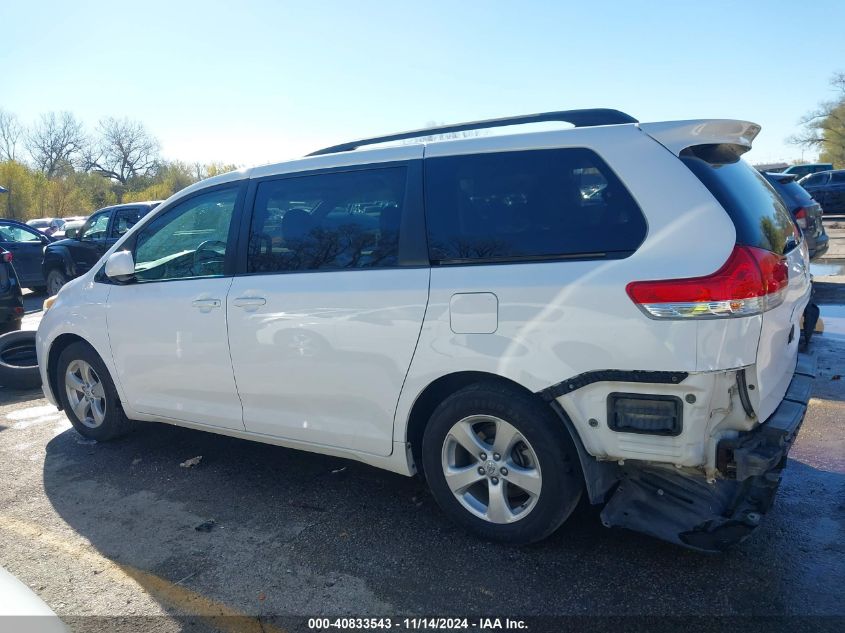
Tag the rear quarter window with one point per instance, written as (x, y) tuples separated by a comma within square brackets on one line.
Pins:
[(757, 211), (530, 205)]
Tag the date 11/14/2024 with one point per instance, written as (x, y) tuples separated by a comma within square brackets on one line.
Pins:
[(417, 624)]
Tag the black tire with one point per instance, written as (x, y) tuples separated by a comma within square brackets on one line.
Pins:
[(115, 422), (55, 280), (562, 481), (18, 362)]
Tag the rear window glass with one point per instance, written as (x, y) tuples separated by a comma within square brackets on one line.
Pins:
[(796, 194), (758, 213), (515, 206)]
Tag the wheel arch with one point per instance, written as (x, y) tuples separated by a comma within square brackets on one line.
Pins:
[(59, 258), (599, 477), (440, 389), (60, 344)]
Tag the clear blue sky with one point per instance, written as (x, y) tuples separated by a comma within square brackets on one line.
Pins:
[(252, 82)]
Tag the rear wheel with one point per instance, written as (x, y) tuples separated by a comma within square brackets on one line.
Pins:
[(88, 395), (501, 464), (55, 280)]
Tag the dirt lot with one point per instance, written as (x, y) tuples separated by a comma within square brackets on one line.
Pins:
[(119, 536)]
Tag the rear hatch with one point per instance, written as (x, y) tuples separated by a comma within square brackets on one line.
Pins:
[(762, 222)]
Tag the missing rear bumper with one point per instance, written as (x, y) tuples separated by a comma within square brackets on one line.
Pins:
[(685, 509)]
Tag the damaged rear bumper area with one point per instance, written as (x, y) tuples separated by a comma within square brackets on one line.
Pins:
[(674, 506)]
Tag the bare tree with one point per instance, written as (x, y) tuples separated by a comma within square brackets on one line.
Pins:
[(10, 133), (55, 141), (823, 129), (123, 150)]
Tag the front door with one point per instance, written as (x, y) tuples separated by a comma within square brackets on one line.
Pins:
[(168, 327), (325, 320), (92, 242), (27, 248)]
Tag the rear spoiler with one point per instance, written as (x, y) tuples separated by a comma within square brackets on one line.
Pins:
[(676, 136)]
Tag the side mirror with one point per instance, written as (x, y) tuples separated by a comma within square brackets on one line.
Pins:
[(120, 266), (71, 233)]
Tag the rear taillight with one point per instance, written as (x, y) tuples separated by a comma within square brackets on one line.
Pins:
[(801, 217), (751, 281), (7, 257)]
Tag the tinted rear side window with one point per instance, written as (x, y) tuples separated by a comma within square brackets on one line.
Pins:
[(758, 213), (797, 194), (328, 221), (515, 206)]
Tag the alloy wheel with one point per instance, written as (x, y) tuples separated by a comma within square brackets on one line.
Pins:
[(491, 469), (85, 393)]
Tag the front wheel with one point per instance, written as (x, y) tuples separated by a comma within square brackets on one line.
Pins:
[(88, 395), (501, 464), (55, 280)]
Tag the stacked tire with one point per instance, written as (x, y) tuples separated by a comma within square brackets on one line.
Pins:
[(18, 361)]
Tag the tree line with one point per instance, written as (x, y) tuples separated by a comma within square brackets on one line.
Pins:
[(57, 168)]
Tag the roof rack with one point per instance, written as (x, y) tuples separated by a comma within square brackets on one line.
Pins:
[(578, 118)]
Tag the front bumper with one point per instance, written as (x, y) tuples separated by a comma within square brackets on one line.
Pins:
[(677, 507)]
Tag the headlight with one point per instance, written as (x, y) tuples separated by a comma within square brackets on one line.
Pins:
[(48, 302)]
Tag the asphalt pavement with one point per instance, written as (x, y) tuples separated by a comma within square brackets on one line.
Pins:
[(120, 536)]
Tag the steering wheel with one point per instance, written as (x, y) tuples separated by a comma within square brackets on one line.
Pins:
[(208, 247)]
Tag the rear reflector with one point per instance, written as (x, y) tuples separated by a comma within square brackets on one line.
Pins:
[(751, 281), (7, 257), (644, 413), (801, 217)]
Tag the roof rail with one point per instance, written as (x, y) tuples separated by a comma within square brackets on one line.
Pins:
[(578, 118)]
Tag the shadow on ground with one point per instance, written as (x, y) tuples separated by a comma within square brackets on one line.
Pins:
[(315, 534)]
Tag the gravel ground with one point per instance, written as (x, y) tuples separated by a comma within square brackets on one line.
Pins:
[(119, 536)]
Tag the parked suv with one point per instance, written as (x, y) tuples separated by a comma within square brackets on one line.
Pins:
[(26, 244), (828, 187), (74, 256), (806, 211), (612, 310)]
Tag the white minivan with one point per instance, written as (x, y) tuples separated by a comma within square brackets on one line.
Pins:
[(612, 310)]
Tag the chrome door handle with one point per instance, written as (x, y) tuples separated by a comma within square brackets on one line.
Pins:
[(249, 302), (206, 304)]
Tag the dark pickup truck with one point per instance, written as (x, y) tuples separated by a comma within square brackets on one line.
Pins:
[(75, 255)]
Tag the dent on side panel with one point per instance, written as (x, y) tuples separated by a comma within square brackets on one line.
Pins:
[(727, 343), (555, 320)]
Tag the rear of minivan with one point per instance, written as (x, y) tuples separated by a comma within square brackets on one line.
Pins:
[(645, 282), (767, 277)]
